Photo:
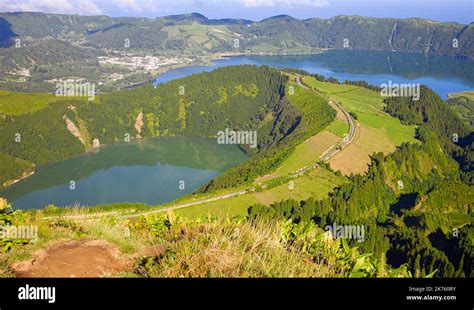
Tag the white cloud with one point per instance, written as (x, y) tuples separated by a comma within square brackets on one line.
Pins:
[(131, 5), (86, 7), (287, 3), (94, 7)]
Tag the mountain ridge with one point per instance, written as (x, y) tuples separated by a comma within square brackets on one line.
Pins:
[(268, 35)]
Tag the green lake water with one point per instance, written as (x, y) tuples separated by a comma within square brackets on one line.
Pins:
[(149, 171)]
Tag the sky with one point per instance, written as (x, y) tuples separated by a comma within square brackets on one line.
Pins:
[(440, 10)]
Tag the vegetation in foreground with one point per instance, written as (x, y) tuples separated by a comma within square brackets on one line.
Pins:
[(172, 246)]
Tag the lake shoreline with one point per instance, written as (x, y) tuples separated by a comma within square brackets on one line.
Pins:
[(146, 171)]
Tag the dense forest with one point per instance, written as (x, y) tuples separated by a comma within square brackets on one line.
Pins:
[(456, 136)]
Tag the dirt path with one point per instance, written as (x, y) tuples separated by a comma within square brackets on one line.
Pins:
[(72, 258)]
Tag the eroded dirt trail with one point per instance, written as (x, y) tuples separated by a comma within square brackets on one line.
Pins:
[(72, 258)]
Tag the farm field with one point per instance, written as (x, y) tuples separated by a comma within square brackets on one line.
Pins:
[(308, 152), (376, 130)]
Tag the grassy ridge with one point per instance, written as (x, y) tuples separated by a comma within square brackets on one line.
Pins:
[(368, 106)]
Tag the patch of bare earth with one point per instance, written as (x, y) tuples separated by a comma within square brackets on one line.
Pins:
[(73, 258), (73, 129), (139, 125), (353, 158)]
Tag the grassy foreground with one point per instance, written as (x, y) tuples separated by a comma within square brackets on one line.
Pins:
[(172, 246)]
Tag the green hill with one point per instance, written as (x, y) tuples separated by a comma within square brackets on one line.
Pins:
[(244, 98)]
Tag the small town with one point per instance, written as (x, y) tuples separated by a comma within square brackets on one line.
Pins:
[(146, 63)]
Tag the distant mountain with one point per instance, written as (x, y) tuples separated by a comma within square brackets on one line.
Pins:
[(194, 33), (197, 17), (361, 33)]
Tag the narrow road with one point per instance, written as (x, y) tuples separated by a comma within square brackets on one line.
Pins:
[(348, 139)]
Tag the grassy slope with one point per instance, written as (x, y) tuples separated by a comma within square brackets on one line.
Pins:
[(467, 94), (338, 128), (378, 131), (234, 206), (199, 37), (232, 249), (307, 153), (317, 183), (13, 103)]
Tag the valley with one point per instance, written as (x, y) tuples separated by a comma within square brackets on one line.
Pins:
[(138, 173)]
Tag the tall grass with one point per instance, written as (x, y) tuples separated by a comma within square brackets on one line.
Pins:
[(226, 248)]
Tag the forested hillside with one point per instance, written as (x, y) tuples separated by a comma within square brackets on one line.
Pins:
[(415, 203), (196, 33), (412, 203), (238, 98), (463, 105), (38, 49), (457, 137)]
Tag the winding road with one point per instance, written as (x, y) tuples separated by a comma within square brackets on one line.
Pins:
[(348, 139)]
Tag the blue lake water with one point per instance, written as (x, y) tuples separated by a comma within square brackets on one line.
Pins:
[(443, 74)]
